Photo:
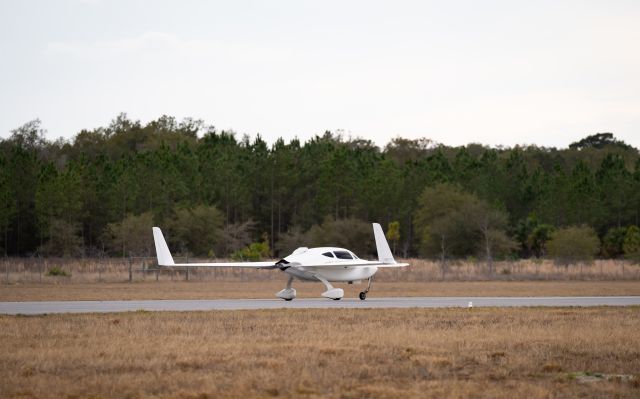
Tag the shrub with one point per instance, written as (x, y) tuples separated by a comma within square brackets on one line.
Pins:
[(196, 230), (537, 240), (57, 272), (254, 252), (631, 245), (613, 242), (573, 244), (131, 236), (64, 239)]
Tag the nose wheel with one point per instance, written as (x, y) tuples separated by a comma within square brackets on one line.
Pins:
[(363, 294)]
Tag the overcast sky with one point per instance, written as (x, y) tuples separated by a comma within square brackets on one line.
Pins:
[(494, 72)]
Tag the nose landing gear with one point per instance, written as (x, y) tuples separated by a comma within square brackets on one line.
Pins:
[(363, 294)]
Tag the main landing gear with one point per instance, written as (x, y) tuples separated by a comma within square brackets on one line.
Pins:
[(332, 293), (288, 293), (336, 294), (363, 294)]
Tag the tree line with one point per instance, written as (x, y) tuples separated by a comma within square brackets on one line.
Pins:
[(219, 194)]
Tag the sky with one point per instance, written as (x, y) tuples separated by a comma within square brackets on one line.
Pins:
[(491, 72)]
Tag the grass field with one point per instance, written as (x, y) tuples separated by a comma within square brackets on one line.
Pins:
[(266, 289), (498, 353), (114, 270)]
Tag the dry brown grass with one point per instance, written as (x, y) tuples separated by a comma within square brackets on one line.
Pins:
[(267, 289), (33, 270), (338, 353), (106, 279)]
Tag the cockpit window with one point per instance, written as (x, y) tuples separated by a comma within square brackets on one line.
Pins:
[(343, 255), (328, 254)]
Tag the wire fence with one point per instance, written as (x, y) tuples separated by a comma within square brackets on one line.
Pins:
[(109, 270)]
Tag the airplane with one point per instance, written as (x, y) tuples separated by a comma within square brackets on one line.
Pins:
[(323, 264)]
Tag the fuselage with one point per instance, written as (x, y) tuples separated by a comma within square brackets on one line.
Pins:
[(331, 263)]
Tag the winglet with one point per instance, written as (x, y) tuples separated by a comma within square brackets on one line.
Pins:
[(384, 252), (162, 251)]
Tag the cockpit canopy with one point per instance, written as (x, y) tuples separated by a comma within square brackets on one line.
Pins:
[(340, 255)]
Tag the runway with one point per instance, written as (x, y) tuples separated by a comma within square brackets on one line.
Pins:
[(36, 308)]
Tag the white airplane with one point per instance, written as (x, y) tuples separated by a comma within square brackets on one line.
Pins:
[(325, 264)]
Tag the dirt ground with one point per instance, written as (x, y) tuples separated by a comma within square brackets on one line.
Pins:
[(337, 353), (267, 289)]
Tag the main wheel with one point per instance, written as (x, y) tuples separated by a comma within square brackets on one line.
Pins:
[(336, 299), (363, 296), (288, 299)]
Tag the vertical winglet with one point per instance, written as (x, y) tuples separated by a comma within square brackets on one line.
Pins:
[(384, 252), (162, 251)]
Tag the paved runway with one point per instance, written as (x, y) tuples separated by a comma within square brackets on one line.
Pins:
[(33, 308)]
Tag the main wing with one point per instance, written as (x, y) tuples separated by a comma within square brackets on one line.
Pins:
[(379, 264), (165, 258), (357, 264)]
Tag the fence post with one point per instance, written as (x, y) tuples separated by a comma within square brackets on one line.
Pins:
[(130, 269), (187, 271), (6, 269)]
